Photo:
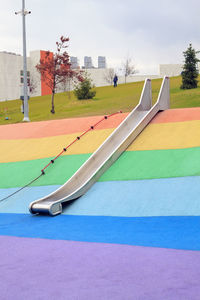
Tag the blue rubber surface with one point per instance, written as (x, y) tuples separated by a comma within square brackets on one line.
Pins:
[(139, 198), (163, 232), (19, 203)]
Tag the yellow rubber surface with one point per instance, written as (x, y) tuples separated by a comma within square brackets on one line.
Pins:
[(154, 137), (168, 136), (28, 149)]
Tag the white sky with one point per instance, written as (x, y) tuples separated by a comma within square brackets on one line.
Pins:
[(150, 32)]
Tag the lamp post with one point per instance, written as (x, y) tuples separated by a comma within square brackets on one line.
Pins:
[(23, 13)]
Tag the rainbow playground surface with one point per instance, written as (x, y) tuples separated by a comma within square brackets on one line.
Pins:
[(134, 235)]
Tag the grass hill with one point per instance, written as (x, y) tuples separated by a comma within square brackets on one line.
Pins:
[(107, 100)]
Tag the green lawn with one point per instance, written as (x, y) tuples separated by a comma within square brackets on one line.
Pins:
[(107, 100)]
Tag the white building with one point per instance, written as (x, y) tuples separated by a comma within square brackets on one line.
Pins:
[(170, 69), (11, 66), (11, 74), (101, 62), (88, 62), (74, 62)]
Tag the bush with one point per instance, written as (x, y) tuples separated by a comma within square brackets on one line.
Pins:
[(84, 90)]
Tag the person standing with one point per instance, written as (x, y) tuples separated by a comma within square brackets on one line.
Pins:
[(115, 79)]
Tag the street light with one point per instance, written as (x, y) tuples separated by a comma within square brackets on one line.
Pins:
[(23, 13)]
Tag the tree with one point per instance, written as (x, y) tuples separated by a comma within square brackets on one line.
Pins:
[(84, 89), (109, 75), (66, 87), (55, 68), (32, 84), (128, 68), (190, 72)]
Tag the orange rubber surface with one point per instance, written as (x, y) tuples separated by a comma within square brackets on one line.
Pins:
[(177, 115), (68, 126), (57, 127)]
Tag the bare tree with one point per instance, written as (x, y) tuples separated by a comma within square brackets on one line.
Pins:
[(67, 86), (32, 84), (109, 75), (128, 68)]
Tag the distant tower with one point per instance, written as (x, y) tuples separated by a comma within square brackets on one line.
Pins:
[(101, 62), (74, 62), (88, 62)]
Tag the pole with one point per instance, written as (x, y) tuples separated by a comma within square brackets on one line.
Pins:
[(26, 110), (23, 12)]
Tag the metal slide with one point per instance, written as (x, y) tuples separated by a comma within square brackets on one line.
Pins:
[(107, 153)]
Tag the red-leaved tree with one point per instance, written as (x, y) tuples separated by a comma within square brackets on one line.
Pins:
[(55, 68)]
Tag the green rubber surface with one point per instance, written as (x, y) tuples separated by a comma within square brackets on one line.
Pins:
[(137, 165), (17, 174), (132, 165)]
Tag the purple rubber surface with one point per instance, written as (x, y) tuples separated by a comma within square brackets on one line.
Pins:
[(51, 269)]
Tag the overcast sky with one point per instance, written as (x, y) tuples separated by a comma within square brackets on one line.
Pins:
[(150, 32)]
